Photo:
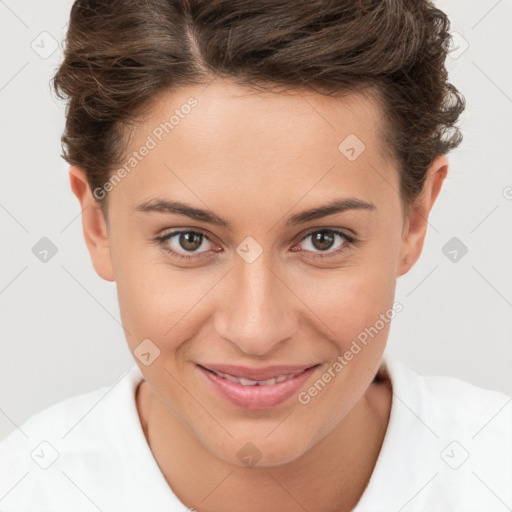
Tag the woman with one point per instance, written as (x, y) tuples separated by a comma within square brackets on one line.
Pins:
[(255, 176)]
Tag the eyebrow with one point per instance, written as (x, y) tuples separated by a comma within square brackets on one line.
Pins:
[(318, 212)]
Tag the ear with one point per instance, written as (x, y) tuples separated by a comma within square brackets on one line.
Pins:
[(93, 223), (416, 220)]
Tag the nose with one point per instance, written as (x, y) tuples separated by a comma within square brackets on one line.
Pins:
[(256, 311)]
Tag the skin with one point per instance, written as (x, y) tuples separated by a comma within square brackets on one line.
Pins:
[(255, 159)]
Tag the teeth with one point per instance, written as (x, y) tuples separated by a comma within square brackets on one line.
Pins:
[(249, 382), (228, 377), (268, 382)]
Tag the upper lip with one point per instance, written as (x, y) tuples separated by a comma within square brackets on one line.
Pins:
[(269, 372)]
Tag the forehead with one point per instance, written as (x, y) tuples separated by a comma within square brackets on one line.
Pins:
[(227, 136)]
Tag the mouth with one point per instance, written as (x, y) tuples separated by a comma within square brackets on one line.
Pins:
[(241, 387)]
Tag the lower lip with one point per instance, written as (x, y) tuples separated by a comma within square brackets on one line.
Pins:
[(257, 397)]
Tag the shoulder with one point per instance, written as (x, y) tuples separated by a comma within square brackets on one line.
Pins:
[(450, 402), (449, 437), (52, 422), (80, 414), (52, 448)]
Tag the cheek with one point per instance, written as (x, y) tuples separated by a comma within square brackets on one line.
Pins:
[(351, 298), (162, 303), (356, 309)]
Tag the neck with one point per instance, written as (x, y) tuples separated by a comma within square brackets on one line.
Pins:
[(330, 477)]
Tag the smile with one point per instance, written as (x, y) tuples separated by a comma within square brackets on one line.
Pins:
[(249, 382), (275, 386)]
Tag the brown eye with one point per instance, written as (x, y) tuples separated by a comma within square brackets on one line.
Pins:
[(185, 244), (329, 241), (190, 241), (322, 240)]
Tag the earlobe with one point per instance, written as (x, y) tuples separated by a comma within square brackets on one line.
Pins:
[(93, 224), (415, 226)]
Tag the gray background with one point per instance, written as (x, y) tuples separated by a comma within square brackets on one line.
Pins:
[(60, 322)]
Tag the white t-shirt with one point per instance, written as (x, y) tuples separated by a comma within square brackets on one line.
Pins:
[(448, 448)]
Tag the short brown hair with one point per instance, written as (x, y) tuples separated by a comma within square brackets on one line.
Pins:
[(120, 53)]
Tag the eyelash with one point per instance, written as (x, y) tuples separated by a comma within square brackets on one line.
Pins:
[(348, 244)]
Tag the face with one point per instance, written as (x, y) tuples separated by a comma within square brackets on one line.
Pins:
[(238, 274)]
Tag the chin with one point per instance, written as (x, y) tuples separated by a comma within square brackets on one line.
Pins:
[(261, 452)]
